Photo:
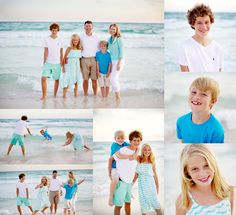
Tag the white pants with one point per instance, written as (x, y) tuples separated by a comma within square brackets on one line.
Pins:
[(114, 78)]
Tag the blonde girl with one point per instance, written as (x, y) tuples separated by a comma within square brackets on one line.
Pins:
[(147, 181), (71, 76), (42, 196), (204, 190)]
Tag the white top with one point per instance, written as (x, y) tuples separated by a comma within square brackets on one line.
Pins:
[(22, 189), (55, 184), (54, 46), (90, 45), (21, 127), (125, 167), (199, 58)]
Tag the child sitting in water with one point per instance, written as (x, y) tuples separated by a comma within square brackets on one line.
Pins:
[(76, 140), (46, 135)]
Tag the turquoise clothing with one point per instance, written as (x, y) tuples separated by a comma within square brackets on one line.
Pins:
[(78, 142), (70, 191), (210, 131), (122, 193), (17, 138), (72, 73), (115, 147), (223, 207), (47, 136), (115, 46), (103, 59), (51, 70), (42, 199), (147, 188), (22, 201)]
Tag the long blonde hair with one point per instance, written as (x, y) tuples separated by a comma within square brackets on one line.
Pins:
[(219, 185), (75, 36), (151, 158)]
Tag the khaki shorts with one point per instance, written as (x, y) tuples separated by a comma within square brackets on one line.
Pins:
[(114, 174), (89, 68), (104, 81), (54, 197)]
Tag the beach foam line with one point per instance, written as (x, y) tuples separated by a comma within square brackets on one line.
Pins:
[(17, 167)]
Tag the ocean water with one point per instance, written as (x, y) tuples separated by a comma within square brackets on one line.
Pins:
[(226, 159), (39, 152), (21, 56), (176, 101), (100, 160), (8, 180), (177, 30)]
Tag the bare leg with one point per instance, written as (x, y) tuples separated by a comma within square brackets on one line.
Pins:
[(86, 147), (76, 90), (9, 149), (112, 190), (127, 208), (55, 207), (23, 150), (44, 87), (65, 92), (117, 95), (107, 91), (85, 87), (95, 87), (158, 211), (56, 85), (31, 209), (44, 210), (35, 212), (102, 91), (51, 208), (19, 210), (117, 210), (65, 211)]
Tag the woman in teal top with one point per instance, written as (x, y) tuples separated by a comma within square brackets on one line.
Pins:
[(204, 189), (115, 46), (147, 181), (71, 74)]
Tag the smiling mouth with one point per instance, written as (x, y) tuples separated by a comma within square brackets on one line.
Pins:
[(204, 180), (196, 103)]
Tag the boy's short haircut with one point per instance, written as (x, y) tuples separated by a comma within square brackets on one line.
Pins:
[(54, 171), (103, 42), (88, 22), (199, 10), (21, 175), (70, 180), (135, 134), (207, 84), (119, 133), (54, 26), (24, 118)]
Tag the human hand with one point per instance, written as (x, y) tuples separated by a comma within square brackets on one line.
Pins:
[(99, 75), (118, 67), (66, 60), (108, 75), (132, 157)]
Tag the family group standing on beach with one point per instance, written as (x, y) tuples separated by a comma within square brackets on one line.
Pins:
[(87, 56)]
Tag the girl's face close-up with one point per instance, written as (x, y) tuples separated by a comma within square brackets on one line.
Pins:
[(112, 30), (147, 151), (75, 41), (202, 26), (199, 171), (199, 101)]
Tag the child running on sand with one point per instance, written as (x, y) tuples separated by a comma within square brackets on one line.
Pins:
[(76, 140), (21, 127)]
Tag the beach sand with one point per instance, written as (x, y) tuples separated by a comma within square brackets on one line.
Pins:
[(130, 99)]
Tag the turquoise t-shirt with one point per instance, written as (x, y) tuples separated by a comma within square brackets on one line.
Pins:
[(70, 191), (103, 59), (210, 131), (115, 147)]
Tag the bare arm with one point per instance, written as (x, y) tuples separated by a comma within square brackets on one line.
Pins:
[(122, 156), (184, 68), (27, 193), (98, 73), (17, 192), (68, 142), (81, 182), (135, 155), (109, 70), (110, 165), (135, 177), (64, 61), (45, 55), (61, 56), (232, 200), (155, 177), (178, 208), (29, 132), (39, 186)]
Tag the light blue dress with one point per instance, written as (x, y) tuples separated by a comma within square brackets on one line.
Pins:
[(223, 207), (42, 198), (72, 73), (147, 188), (78, 142)]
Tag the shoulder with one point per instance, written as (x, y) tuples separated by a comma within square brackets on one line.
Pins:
[(178, 206), (216, 123), (186, 43), (216, 46), (184, 117), (126, 144)]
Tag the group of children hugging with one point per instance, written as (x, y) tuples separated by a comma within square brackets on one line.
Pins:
[(87, 57), (49, 191), (126, 164), (75, 139)]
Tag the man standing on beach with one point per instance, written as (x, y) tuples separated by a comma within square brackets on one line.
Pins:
[(90, 45), (54, 191)]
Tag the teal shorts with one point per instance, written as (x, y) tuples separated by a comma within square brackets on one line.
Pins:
[(51, 70), (17, 138), (122, 193), (22, 201)]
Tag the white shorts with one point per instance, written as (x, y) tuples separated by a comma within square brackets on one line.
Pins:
[(114, 174), (68, 204), (104, 81)]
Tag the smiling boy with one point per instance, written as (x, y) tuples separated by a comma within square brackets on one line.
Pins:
[(199, 53), (200, 125)]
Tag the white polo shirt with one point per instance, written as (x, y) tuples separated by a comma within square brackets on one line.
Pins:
[(54, 46), (55, 184), (199, 58), (90, 45), (21, 127), (22, 189), (125, 167)]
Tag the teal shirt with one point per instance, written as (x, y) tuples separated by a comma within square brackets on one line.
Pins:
[(115, 46)]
